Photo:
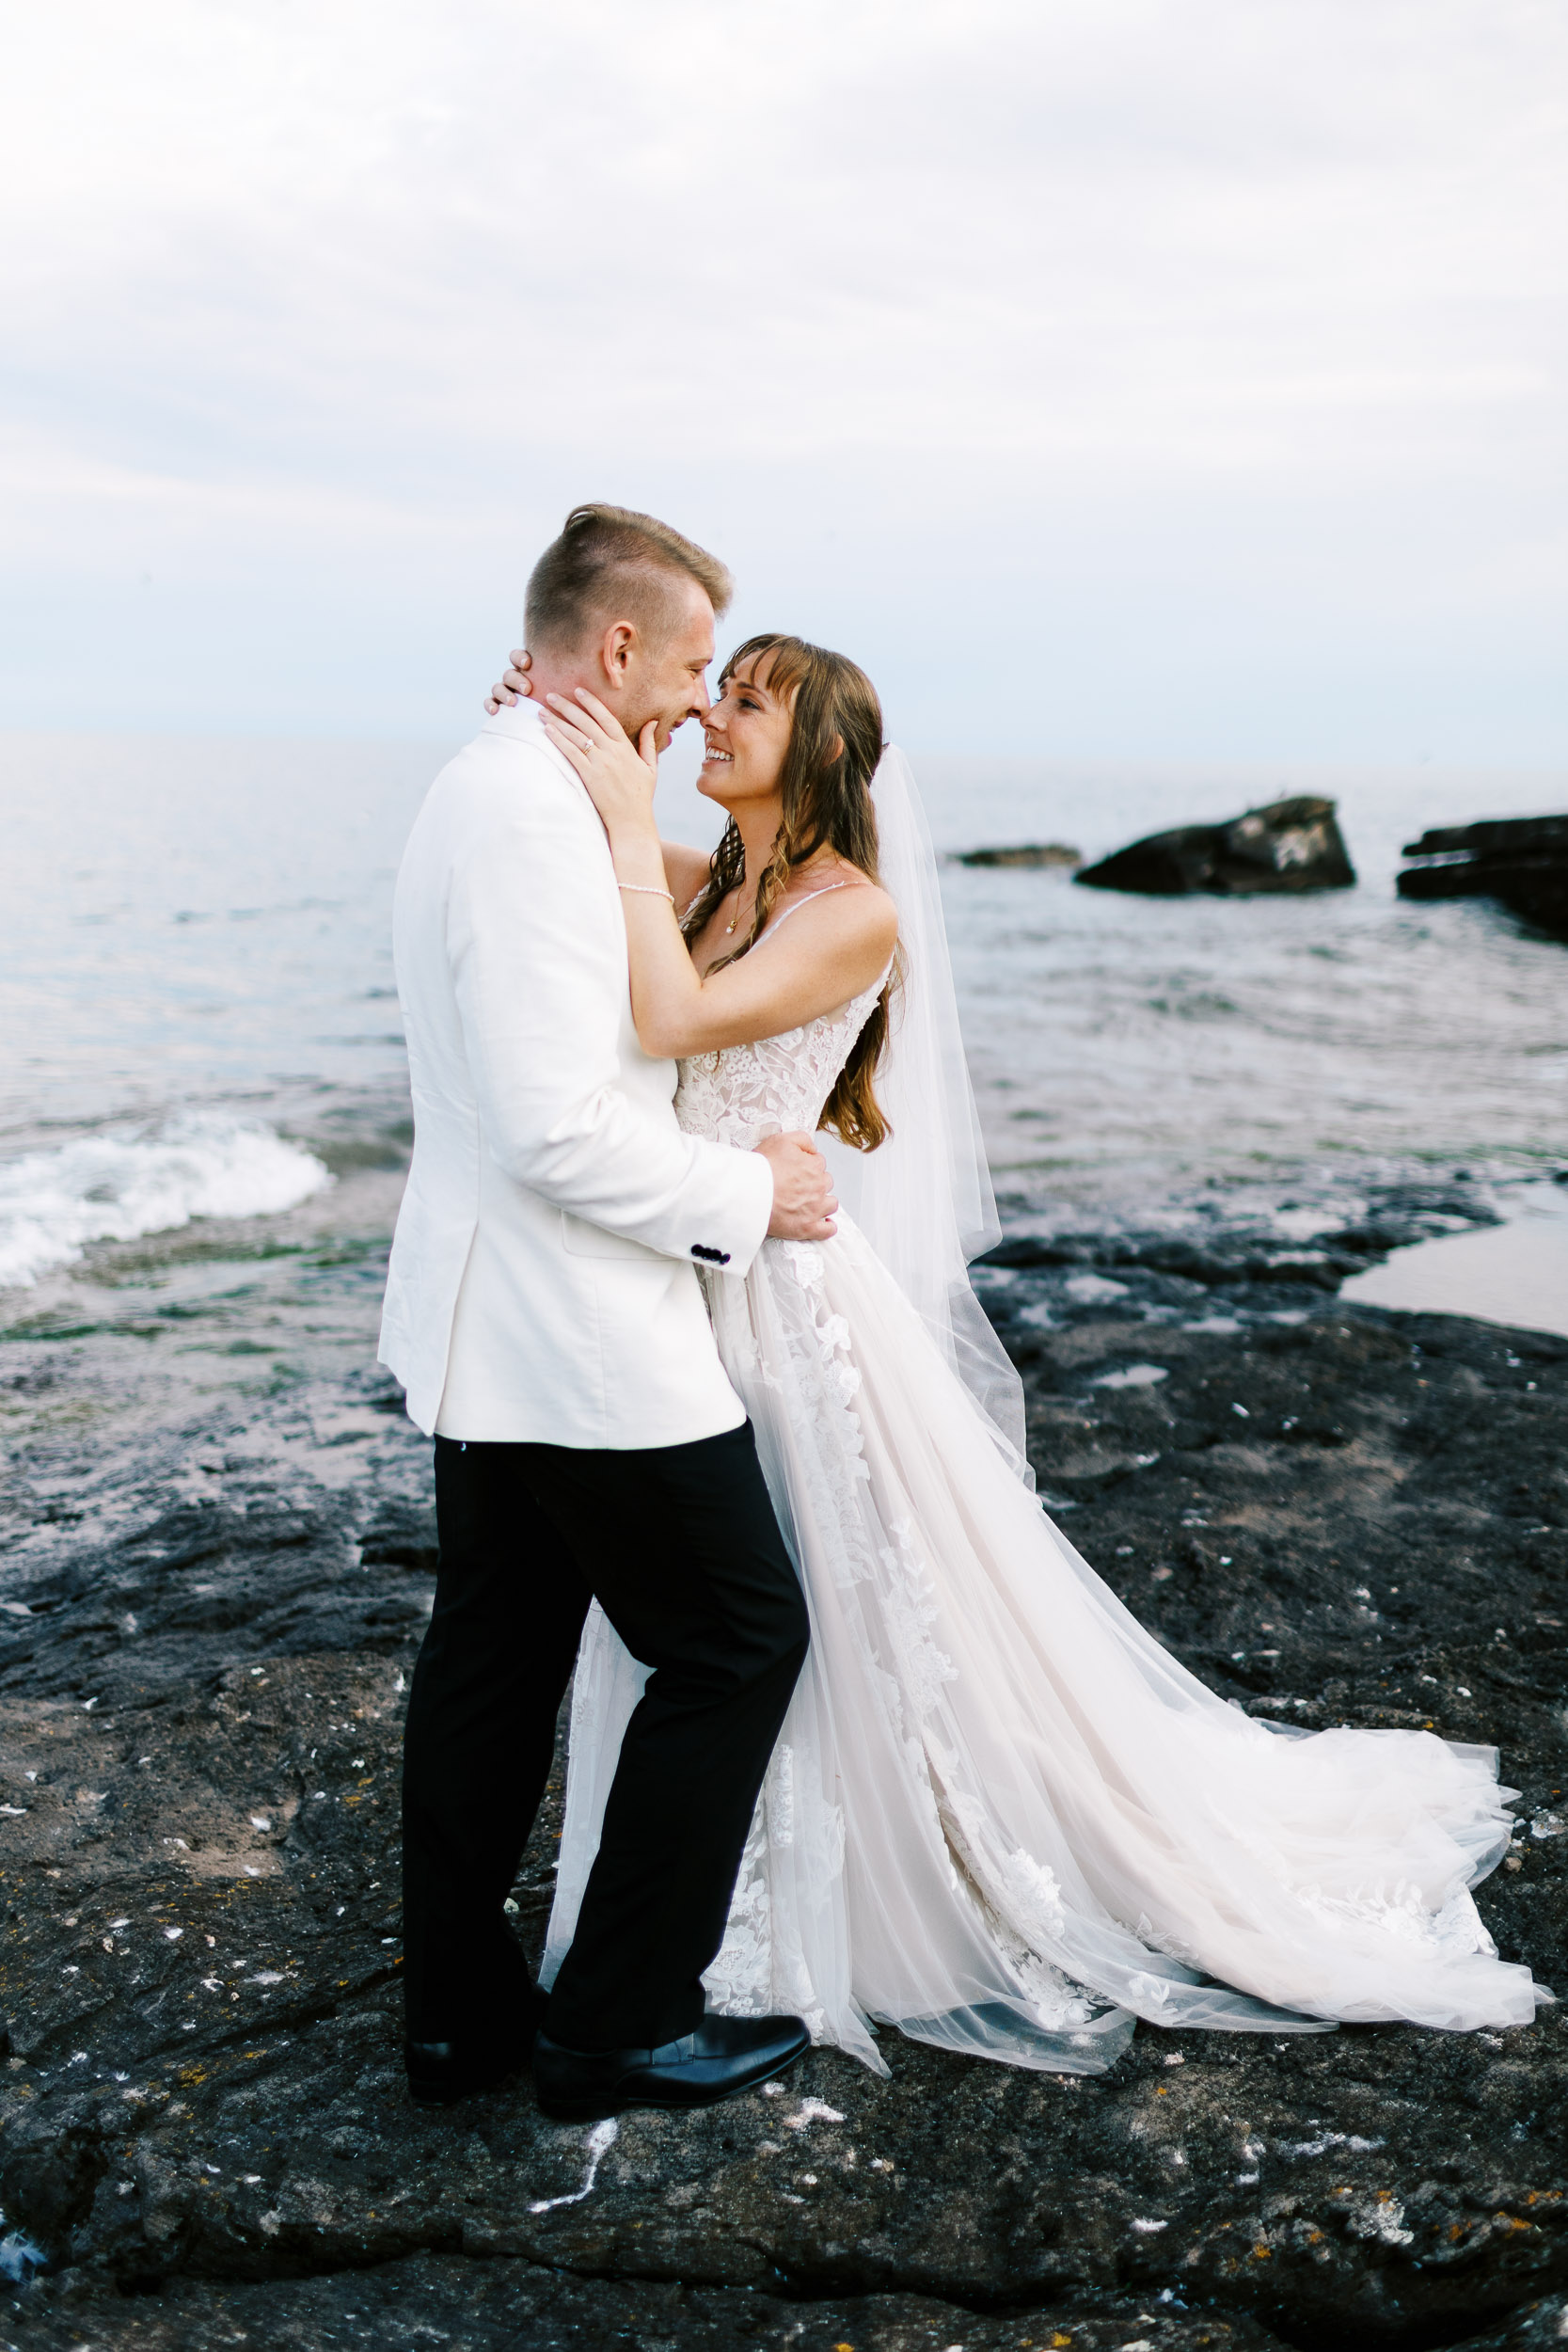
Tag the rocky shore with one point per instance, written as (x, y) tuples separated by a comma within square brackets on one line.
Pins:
[(219, 1567)]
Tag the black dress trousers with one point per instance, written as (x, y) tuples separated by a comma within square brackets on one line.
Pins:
[(680, 1547)]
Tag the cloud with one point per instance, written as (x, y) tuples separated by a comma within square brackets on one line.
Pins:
[(1212, 351)]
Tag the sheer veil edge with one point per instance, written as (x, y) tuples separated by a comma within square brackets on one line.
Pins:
[(924, 1201)]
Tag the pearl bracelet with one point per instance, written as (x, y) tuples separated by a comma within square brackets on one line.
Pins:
[(647, 890)]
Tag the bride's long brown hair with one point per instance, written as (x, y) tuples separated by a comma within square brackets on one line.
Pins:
[(835, 741)]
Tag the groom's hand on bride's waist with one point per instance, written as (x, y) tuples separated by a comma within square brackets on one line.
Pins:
[(803, 1202)]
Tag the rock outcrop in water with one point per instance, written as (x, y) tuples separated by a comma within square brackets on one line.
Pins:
[(1333, 1515), (1026, 853), (1520, 861), (1290, 845)]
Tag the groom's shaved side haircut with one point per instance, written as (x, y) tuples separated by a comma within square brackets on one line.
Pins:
[(610, 563)]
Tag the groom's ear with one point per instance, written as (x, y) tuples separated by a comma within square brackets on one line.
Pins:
[(618, 649)]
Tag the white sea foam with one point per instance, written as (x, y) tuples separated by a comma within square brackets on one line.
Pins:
[(115, 1186)]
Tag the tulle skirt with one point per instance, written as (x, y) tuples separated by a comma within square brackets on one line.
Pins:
[(1000, 1817)]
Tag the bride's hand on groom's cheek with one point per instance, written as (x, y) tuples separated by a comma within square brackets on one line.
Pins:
[(514, 686), (619, 776)]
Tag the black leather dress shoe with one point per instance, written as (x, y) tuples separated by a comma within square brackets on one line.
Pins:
[(724, 2055), (440, 2073)]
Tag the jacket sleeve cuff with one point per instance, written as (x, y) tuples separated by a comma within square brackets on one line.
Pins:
[(744, 1219)]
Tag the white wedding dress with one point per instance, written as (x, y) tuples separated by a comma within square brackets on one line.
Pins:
[(1000, 1817)]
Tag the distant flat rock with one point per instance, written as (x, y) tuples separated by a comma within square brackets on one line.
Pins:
[(1290, 845), (1026, 853), (1520, 861)]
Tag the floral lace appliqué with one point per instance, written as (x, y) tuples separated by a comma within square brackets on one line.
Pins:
[(744, 1092)]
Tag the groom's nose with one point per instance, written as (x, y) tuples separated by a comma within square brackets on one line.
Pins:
[(701, 701)]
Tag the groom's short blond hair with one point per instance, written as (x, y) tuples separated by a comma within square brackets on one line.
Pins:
[(611, 563)]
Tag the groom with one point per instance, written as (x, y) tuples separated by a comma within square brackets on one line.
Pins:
[(543, 1314)]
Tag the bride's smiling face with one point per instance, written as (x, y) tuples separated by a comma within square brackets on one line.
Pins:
[(747, 732)]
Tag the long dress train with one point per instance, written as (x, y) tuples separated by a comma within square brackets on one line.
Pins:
[(1000, 1817)]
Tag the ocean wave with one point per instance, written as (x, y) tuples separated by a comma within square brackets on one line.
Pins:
[(115, 1187)]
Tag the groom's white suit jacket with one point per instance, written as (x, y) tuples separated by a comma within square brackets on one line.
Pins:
[(542, 1283)]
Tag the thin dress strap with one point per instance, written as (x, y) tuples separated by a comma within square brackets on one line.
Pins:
[(795, 908)]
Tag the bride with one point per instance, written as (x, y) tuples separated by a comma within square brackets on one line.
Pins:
[(1000, 1817)]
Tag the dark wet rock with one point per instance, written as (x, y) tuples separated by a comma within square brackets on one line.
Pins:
[(1233, 1256), (1029, 853), (1292, 844), (1032, 1249), (1522, 861), (1353, 1515), (1493, 835), (507, 2304)]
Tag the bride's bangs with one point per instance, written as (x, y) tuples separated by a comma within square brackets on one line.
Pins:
[(792, 659)]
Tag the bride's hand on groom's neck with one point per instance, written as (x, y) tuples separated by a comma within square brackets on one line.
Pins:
[(515, 686), (619, 776)]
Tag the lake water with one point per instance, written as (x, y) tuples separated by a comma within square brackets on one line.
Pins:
[(198, 1019)]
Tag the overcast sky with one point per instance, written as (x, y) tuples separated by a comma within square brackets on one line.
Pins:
[(1114, 378)]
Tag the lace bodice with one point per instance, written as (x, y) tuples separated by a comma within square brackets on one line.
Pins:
[(779, 1084)]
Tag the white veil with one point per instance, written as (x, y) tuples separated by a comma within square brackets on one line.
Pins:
[(924, 1201)]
